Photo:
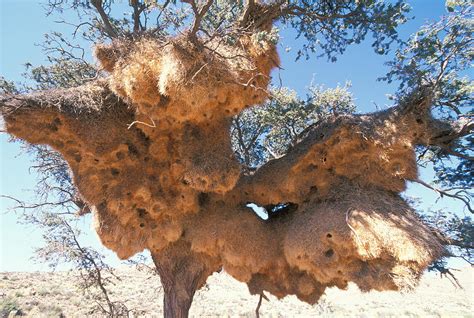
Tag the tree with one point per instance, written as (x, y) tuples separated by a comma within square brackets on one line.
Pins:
[(437, 56), (147, 142), (268, 131), (56, 210)]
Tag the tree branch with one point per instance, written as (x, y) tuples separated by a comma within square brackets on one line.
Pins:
[(138, 9), (249, 7), (108, 27), (198, 15), (446, 193), (260, 298)]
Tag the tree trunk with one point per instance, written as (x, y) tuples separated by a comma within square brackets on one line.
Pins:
[(182, 273), (179, 287)]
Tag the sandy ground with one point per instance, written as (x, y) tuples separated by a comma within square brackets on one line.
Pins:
[(43, 294)]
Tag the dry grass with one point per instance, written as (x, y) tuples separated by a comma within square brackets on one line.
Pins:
[(53, 294)]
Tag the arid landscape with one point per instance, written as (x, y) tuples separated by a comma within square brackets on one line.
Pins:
[(42, 294)]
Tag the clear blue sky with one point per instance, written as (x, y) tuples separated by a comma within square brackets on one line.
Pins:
[(23, 23)]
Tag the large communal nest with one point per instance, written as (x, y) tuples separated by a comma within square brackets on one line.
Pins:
[(152, 157)]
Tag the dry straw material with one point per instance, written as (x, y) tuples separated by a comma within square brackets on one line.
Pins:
[(150, 152)]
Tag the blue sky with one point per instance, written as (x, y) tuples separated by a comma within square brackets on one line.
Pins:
[(23, 23)]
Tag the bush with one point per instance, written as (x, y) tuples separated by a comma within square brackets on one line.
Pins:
[(8, 305)]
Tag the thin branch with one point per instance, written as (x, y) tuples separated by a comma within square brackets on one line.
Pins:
[(163, 8), (152, 125), (452, 279), (198, 15), (257, 310), (108, 27), (24, 205), (76, 26), (457, 154), (446, 193), (99, 281), (248, 9), (138, 9), (348, 215)]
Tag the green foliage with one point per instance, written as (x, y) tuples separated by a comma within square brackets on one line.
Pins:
[(331, 101), (7, 87), (7, 305), (329, 26), (459, 231), (221, 16), (68, 66), (452, 4), (270, 130), (437, 56), (349, 23), (458, 173), (64, 73)]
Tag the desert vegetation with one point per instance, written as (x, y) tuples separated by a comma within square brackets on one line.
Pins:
[(42, 294)]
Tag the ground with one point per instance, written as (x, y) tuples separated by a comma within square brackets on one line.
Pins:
[(42, 294)]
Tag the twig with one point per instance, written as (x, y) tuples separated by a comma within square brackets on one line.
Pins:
[(348, 212), (451, 277), (457, 154), (446, 193), (198, 15), (257, 310), (23, 205), (153, 125), (198, 71)]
